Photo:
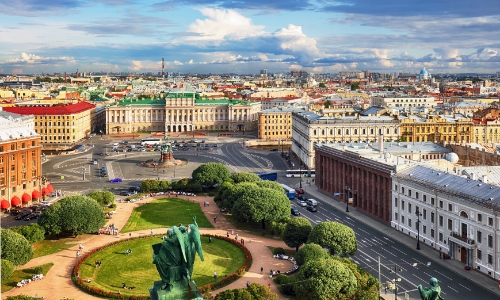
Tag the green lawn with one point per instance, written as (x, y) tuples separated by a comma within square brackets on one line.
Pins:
[(19, 275), (50, 245), (162, 213), (138, 270), (254, 228)]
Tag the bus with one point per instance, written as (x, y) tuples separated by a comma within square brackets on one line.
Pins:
[(300, 173), (152, 141), (273, 176), (289, 192)]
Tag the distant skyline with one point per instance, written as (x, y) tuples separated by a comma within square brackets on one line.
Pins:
[(222, 36)]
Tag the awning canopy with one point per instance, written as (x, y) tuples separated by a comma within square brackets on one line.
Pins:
[(26, 198), (49, 188), (4, 204), (35, 195), (15, 201)]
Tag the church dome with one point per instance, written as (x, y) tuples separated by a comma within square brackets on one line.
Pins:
[(424, 72), (451, 157)]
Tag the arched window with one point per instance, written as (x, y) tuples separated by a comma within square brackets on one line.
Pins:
[(355, 131), (463, 214), (314, 132)]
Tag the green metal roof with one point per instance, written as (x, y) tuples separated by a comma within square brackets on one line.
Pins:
[(142, 101)]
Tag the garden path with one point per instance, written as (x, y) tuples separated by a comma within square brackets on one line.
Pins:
[(57, 283)]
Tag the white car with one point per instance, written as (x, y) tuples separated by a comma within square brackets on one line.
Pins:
[(46, 203)]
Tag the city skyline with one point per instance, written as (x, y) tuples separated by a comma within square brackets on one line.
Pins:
[(207, 36)]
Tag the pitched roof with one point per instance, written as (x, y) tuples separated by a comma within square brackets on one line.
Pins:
[(66, 109)]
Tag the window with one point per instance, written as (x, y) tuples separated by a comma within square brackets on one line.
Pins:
[(440, 204), (395, 187), (402, 219), (450, 207), (479, 254), (432, 200), (432, 217), (416, 195), (396, 216), (409, 208), (450, 224), (441, 221), (490, 259), (402, 205), (12, 157), (432, 233), (479, 236), (490, 221), (409, 193), (424, 229), (479, 217), (403, 190), (490, 241), (440, 236), (424, 214), (409, 223), (424, 198), (396, 202)]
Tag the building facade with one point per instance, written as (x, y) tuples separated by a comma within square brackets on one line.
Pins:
[(20, 160), (276, 123), (393, 101), (437, 128), (457, 216), (309, 129)]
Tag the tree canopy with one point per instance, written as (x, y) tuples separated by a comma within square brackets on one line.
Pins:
[(336, 237), (325, 279), (245, 177), (152, 185), (103, 198), (297, 232), (7, 269), (15, 247), (223, 193), (310, 252), (32, 232), (254, 292), (367, 284), (257, 204), (74, 214), (210, 174)]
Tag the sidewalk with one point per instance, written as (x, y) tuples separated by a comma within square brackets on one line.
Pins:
[(432, 254), (57, 283)]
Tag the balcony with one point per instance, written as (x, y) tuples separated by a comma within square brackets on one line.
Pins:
[(457, 237)]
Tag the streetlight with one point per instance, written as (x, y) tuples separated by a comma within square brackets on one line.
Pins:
[(347, 190), (417, 212), (133, 130), (83, 171), (396, 279)]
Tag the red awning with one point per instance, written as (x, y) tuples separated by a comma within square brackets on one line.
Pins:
[(49, 188), (15, 201), (5, 204), (26, 198), (44, 192), (35, 195)]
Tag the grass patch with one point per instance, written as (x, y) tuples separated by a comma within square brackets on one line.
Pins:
[(19, 275), (138, 270), (254, 228), (167, 212), (52, 245), (288, 252)]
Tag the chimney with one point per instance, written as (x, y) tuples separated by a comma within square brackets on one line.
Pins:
[(381, 143), (485, 179)]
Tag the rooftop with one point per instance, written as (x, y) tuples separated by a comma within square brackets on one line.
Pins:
[(57, 109)]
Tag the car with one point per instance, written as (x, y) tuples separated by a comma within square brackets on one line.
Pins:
[(125, 193), (125, 142), (300, 191), (23, 215), (134, 189), (301, 203), (295, 211), (302, 197), (115, 180), (195, 141), (202, 141), (311, 208), (312, 202), (116, 145), (100, 153), (103, 174), (94, 162), (47, 203), (149, 146), (215, 145)]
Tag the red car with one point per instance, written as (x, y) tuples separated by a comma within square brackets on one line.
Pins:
[(299, 191)]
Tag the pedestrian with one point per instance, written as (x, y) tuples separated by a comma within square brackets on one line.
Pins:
[(227, 234), (248, 284), (205, 204), (151, 231), (250, 240), (232, 231), (215, 275), (269, 285), (130, 234), (209, 239), (236, 237), (77, 253), (270, 273), (215, 219), (261, 270)]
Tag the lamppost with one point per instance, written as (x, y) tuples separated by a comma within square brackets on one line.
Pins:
[(417, 212), (83, 171), (396, 279), (133, 130), (347, 190)]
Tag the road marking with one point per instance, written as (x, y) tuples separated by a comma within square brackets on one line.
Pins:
[(464, 287), (443, 275), (451, 289)]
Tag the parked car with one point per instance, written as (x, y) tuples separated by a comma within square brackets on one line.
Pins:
[(117, 179), (134, 189), (274, 149), (301, 197), (301, 203), (311, 208), (215, 145), (101, 154), (125, 142), (125, 193), (46, 203), (300, 191), (116, 145), (23, 215), (295, 211)]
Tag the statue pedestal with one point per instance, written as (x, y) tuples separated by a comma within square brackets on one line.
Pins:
[(167, 156), (180, 291)]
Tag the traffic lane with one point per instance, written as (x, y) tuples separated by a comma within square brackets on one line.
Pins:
[(236, 159)]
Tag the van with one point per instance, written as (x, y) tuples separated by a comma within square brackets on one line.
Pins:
[(312, 202)]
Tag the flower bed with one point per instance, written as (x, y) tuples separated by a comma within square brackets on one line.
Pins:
[(84, 285)]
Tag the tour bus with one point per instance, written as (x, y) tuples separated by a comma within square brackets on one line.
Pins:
[(273, 176), (289, 192), (152, 142), (300, 173)]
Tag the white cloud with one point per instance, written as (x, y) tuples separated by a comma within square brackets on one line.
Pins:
[(35, 59)]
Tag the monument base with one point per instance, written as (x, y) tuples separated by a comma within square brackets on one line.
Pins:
[(183, 290)]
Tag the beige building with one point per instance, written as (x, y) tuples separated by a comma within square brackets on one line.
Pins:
[(276, 123), (437, 128), (392, 101)]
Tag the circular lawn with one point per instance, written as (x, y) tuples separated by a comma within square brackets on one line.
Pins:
[(137, 269)]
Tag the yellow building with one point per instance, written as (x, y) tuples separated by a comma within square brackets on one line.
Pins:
[(6, 94), (276, 123), (436, 128), (60, 126), (486, 130)]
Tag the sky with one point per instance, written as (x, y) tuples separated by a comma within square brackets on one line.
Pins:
[(242, 37)]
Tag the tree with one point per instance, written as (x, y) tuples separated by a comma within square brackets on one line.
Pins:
[(234, 193), (50, 219), (354, 86), (367, 284), (15, 247), (328, 103), (258, 291), (322, 85), (325, 279), (32, 232), (234, 294), (210, 174), (103, 198), (270, 185), (245, 177), (256, 204), (223, 193), (153, 185), (296, 232), (75, 215), (310, 252), (7, 269), (336, 237)]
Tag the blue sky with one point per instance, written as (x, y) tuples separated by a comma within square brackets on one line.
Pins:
[(216, 36)]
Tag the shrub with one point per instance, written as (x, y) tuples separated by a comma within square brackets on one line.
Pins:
[(32, 232), (7, 269), (310, 252), (287, 289), (280, 279), (112, 206), (38, 270), (278, 250), (15, 247)]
